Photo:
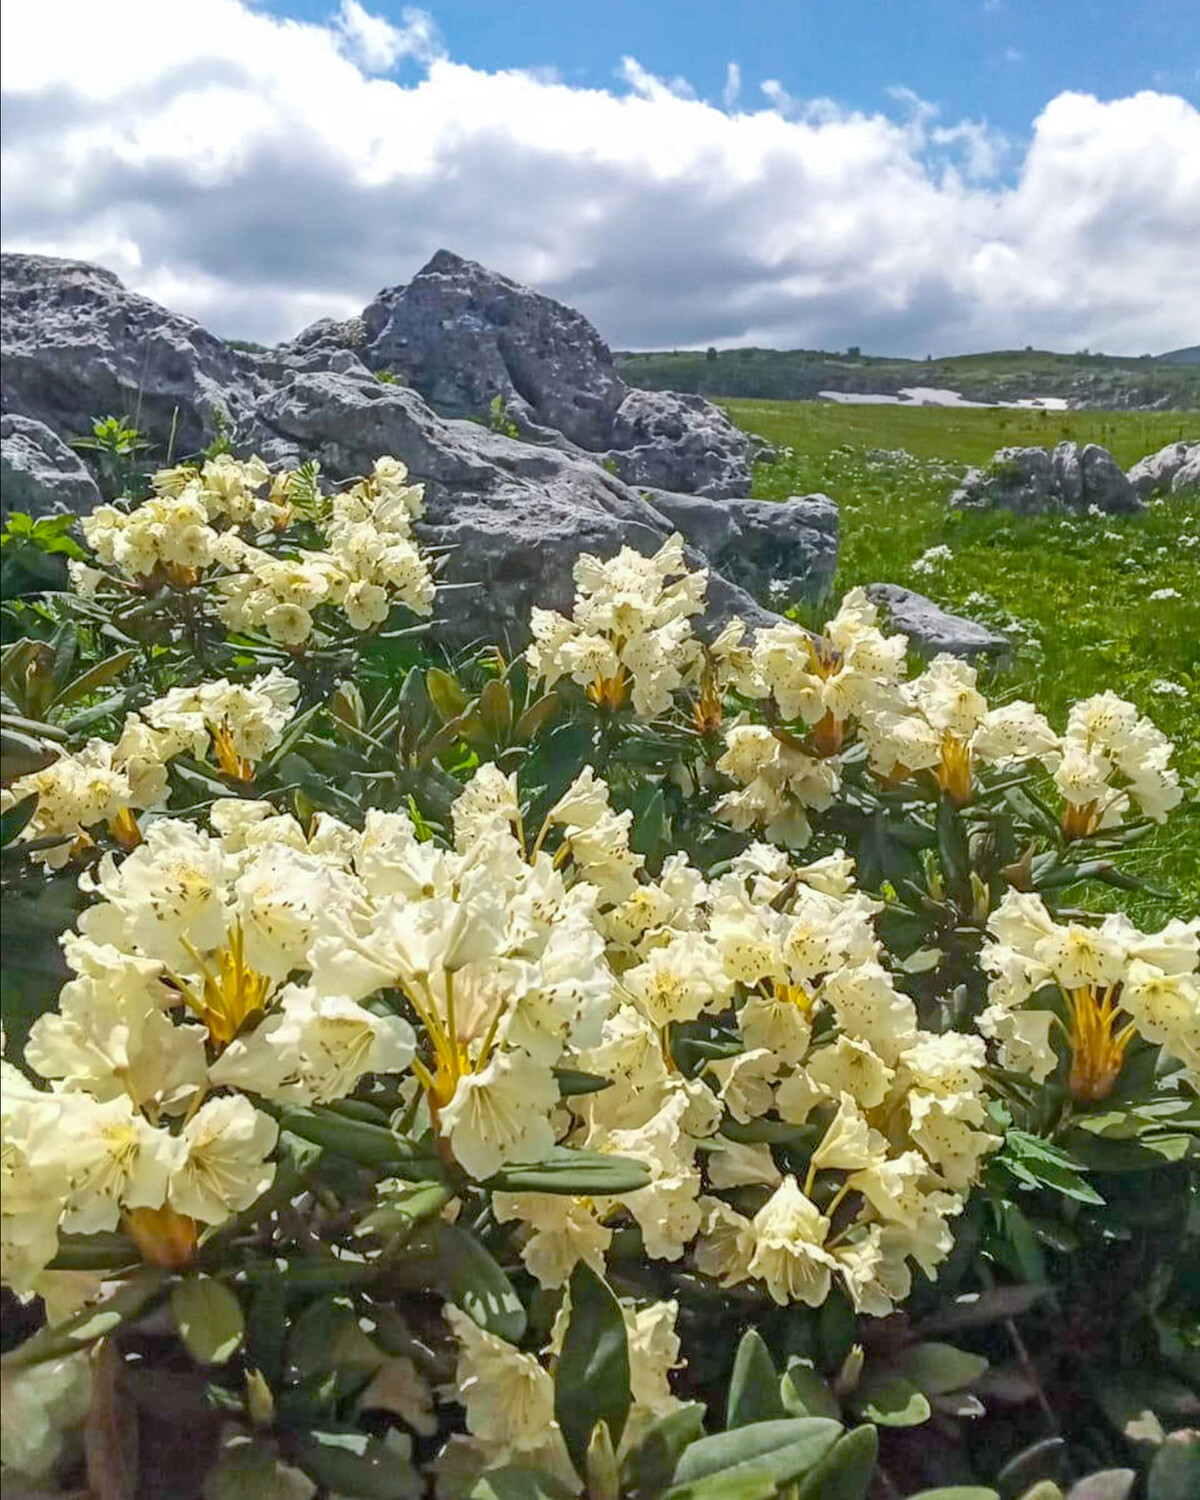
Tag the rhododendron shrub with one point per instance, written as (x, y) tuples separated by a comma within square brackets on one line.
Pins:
[(452, 1063)]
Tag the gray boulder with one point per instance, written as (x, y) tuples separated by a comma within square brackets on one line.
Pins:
[(462, 335), (679, 443), (513, 517), (1157, 473), (931, 629), (785, 550), (39, 474), (76, 345), (1032, 481)]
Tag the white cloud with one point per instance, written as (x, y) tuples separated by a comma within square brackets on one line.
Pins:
[(377, 46), (253, 172)]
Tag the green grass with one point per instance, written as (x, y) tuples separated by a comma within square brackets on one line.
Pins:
[(1073, 592)]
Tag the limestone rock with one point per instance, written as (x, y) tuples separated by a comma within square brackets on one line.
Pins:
[(1032, 481), (787, 550), (1160, 473), (513, 517), (77, 345), (39, 474), (462, 335), (931, 629), (679, 443)]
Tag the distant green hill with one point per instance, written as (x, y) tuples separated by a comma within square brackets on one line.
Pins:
[(1170, 382), (1188, 356)]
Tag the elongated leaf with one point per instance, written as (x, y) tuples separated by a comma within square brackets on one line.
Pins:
[(95, 677), (783, 1450), (1041, 1460), (496, 710), (957, 1492), (372, 1145), (1175, 1472), (939, 1368), (1105, 1484), (845, 1471), (445, 693), (17, 818), (572, 1081), (1147, 1154), (979, 1309), (577, 1173), (592, 1383), (441, 1257), (537, 716), (753, 1385), (91, 1323)]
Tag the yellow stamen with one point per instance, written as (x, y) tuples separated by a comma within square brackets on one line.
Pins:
[(954, 772), (233, 764), (231, 995), (125, 830), (1098, 1047)]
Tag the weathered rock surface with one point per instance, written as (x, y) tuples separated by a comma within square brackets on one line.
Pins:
[(514, 516), (77, 345), (679, 443), (786, 550), (513, 513), (463, 335), (931, 629), (39, 474), (1173, 469), (1031, 481)]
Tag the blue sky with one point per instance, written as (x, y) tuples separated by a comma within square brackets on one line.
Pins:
[(917, 176), (996, 59)]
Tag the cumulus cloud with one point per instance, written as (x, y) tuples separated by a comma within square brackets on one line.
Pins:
[(258, 173)]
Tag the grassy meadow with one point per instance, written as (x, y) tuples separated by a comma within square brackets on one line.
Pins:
[(1090, 602)]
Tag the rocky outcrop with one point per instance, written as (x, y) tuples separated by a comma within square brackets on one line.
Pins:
[(39, 474), (513, 517), (1172, 470), (463, 335), (785, 551), (678, 443), (511, 513), (931, 629), (1031, 481), (77, 345)]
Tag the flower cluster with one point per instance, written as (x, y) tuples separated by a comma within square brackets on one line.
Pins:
[(107, 783), (192, 524), (190, 944), (1095, 987), (805, 1040), (630, 634), (370, 562), (936, 729)]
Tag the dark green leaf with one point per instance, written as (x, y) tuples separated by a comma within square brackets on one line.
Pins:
[(443, 1258), (1175, 1472), (938, 1368), (782, 1449), (1042, 1460), (515, 1483), (845, 1471), (577, 1173), (806, 1394), (209, 1319), (359, 1467), (753, 1385), (648, 1468), (891, 1400), (592, 1382)]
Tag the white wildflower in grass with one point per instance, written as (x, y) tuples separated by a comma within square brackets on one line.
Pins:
[(1164, 687), (932, 559), (1160, 596)]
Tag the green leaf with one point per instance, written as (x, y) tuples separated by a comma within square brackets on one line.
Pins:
[(209, 1319), (537, 716), (370, 1145), (952, 844), (979, 1309), (592, 1382), (782, 1450), (1104, 1484), (649, 824), (248, 1471), (445, 693), (753, 1385), (359, 1467), (957, 1492), (496, 710), (513, 1482), (1041, 1460), (97, 676), (1146, 1154), (805, 1393), (576, 1173), (573, 1081), (1144, 1405), (1175, 1472), (91, 1323), (16, 818), (443, 1258), (845, 1471), (891, 1400), (648, 1468), (939, 1368)]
